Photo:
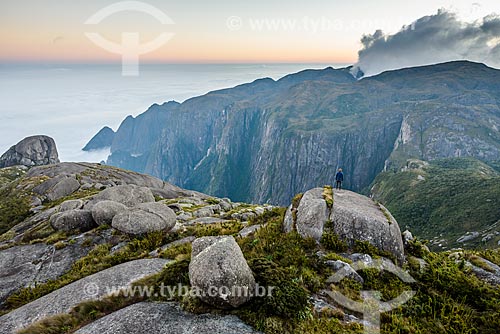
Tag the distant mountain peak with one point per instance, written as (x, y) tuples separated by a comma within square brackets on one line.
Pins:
[(103, 139)]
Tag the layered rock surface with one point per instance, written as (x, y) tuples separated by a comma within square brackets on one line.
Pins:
[(88, 288), (164, 318)]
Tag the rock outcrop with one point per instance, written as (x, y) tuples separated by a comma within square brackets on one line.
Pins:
[(73, 220), (57, 187), (103, 212), (217, 264), (31, 151), (28, 265), (353, 217), (97, 176), (88, 288), (312, 214), (161, 318), (128, 195), (356, 217), (145, 218)]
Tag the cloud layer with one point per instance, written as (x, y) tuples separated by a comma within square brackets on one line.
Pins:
[(432, 39)]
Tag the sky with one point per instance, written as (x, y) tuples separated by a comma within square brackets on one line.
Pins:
[(220, 31)]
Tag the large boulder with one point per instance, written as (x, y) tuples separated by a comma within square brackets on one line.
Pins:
[(128, 195), (161, 318), (357, 217), (145, 218), (74, 204), (57, 187), (73, 220), (89, 288), (353, 216), (217, 264), (103, 212), (312, 214), (31, 151)]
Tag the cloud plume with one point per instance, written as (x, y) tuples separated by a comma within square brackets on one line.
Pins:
[(432, 39)]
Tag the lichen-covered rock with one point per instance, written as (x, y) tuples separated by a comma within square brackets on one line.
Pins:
[(145, 218), (288, 223), (217, 264), (57, 187), (248, 230), (407, 238), (27, 265), (207, 211), (103, 212), (312, 214), (31, 151), (345, 270), (70, 205), (357, 217), (128, 195), (73, 220), (162, 318), (225, 205)]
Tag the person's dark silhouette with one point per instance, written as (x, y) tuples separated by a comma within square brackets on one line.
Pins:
[(339, 177)]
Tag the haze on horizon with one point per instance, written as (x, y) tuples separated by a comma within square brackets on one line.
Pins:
[(317, 31)]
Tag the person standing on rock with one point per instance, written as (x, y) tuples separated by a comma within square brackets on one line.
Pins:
[(339, 178)]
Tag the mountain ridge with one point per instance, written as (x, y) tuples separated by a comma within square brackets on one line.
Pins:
[(267, 140)]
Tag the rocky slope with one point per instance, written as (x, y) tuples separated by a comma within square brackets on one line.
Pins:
[(267, 140), (89, 236), (88, 246)]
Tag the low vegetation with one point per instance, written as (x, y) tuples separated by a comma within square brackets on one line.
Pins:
[(328, 196), (449, 298), (445, 198)]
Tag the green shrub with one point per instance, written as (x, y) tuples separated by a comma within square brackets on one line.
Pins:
[(328, 196), (288, 299), (331, 242)]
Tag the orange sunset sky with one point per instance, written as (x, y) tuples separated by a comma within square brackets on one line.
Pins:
[(224, 31)]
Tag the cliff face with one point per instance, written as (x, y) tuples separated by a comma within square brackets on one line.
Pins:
[(268, 140)]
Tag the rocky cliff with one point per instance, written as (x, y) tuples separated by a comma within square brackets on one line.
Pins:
[(267, 140)]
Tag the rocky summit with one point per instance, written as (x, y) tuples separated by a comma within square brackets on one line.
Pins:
[(31, 151), (76, 258)]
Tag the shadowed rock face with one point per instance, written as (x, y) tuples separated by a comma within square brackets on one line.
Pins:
[(31, 151)]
